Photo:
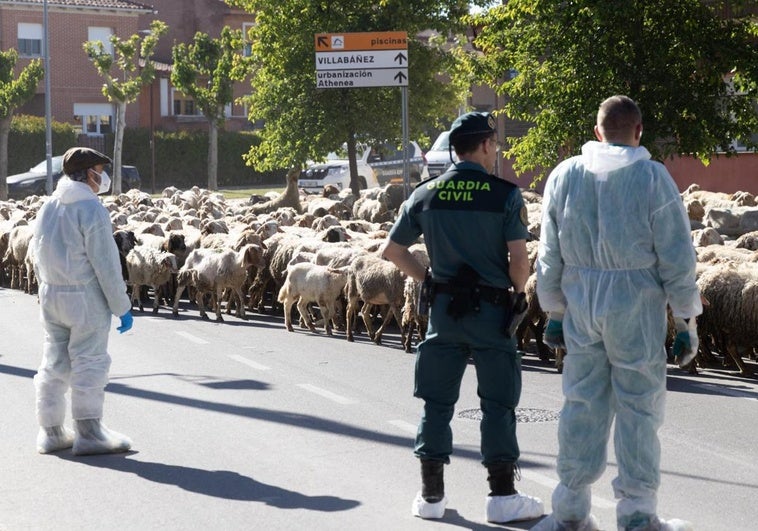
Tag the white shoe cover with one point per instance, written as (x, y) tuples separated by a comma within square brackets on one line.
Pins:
[(424, 509), (54, 438), (502, 509), (92, 437), (551, 524)]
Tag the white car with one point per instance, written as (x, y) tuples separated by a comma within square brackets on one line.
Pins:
[(438, 156), (336, 171)]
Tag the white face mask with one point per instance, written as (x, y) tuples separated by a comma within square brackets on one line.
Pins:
[(105, 182)]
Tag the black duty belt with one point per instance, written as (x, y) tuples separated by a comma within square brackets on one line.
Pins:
[(491, 294)]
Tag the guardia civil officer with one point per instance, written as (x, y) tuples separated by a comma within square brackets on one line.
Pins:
[(474, 227)]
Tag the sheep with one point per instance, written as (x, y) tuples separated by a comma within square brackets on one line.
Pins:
[(706, 236), (375, 282), (290, 197), (374, 210), (221, 270), (19, 238), (534, 321), (747, 241), (715, 254), (147, 266), (125, 242), (731, 317), (308, 282)]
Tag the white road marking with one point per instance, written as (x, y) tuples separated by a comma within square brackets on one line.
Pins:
[(597, 501), (190, 337), (405, 426), (249, 363), (326, 394)]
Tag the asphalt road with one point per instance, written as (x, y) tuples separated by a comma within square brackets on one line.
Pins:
[(242, 425)]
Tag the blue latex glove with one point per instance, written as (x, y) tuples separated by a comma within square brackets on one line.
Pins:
[(126, 322), (686, 341), (553, 336)]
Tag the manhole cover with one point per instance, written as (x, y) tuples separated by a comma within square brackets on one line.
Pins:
[(522, 414)]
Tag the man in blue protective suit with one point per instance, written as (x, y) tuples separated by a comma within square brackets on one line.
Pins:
[(80, 286), (615, 249), (474, 227)]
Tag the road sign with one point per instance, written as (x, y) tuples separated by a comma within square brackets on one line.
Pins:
[(353, 60)]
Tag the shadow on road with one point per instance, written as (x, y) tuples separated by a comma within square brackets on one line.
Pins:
[(217, 483)]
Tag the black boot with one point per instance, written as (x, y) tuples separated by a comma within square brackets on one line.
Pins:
[(500, 477), (432, 480)]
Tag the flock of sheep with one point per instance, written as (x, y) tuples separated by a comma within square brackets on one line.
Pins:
[(320, 253)]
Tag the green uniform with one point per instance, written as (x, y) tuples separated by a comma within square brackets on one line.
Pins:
[(467, 217)]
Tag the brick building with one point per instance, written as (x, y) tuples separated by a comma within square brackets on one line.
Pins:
[(75, 85)]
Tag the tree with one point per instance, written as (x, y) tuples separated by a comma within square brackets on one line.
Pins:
[(671, 57), (303, 122), (206, 70), (125, 84), (14, 92)]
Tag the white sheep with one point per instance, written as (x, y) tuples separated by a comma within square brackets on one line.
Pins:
[(222, 270), (308, 282), (148, 266), (376, 282)]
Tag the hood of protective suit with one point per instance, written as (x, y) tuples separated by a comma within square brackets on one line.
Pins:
[(602, 157), (69, 191)]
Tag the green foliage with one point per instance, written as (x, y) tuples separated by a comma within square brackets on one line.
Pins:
[(181, 159), (123, 84), (671, 57), (26, 141), (207, 68), (17, 90), (303, 122)]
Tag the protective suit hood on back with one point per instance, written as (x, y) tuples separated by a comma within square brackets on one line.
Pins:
[(69, 191), (602, 157)]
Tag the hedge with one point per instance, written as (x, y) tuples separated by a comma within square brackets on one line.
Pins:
[(181, 158)]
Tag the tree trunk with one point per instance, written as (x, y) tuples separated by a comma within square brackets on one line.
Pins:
[(213, 155), (353, 165), (5, 128), (118, 145)]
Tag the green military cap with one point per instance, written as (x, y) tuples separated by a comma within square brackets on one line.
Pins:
[(472, 123)]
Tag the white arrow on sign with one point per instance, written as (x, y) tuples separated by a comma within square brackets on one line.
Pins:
[(364, 60), (385, 77)]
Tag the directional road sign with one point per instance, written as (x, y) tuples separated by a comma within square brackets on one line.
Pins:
[(371, 59)]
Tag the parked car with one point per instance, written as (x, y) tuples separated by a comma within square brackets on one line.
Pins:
[(34, 181), (438, 156), (336, 171), (387, 160)]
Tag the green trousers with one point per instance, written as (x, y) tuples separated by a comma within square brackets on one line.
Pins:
[(441, 360)]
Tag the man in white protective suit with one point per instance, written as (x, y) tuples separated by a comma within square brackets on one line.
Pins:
[(615, 249), (80, 286)]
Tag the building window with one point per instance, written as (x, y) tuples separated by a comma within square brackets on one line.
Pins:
[(94, 118), (99, 124), (103, 35), (248, 49), (29, 40), (184, 105)]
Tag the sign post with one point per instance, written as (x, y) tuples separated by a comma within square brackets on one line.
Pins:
[(370, 59)]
